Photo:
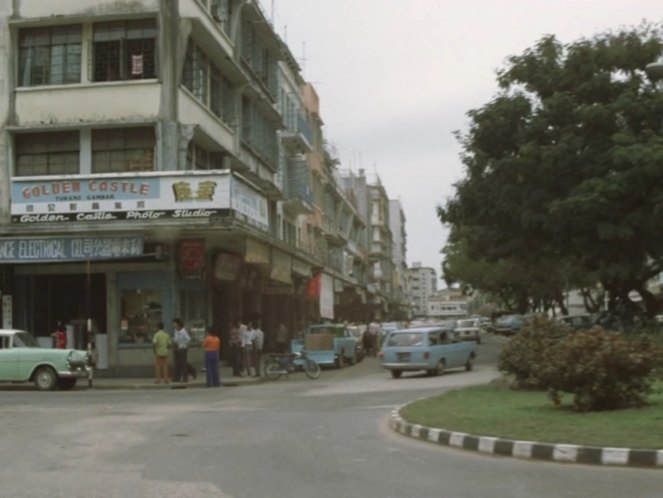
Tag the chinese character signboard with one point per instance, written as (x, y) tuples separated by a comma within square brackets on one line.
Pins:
[(59, 249), (142, 197), (191, 259)]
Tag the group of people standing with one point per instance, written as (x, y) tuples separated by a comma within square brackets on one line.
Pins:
[(179, 343), (246, 345)]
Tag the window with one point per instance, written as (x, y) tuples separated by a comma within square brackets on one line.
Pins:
[(117, 150), (141, 314), (221, 11), (207, 84), (50, 56), (125, 50), (196, 72), (54, 153), (198, 157)]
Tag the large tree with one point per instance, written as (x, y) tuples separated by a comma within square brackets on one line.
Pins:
[(563, 175)]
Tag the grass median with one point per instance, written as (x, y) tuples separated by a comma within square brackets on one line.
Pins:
[(493, 410)]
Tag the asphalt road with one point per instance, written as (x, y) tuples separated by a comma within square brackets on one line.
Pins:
[(301, 438)]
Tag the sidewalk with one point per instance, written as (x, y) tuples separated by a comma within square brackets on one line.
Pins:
[(227, 380)]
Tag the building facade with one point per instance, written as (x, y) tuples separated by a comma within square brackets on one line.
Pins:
[(166, 159), (422, 284)]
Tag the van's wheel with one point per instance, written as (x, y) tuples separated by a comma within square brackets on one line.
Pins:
[(469, 364), (45, 379), (353, 359), (340, 361), (396, 374), (440, 367)]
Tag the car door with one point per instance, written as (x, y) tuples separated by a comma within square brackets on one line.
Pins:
[(454, 347), (8, 360)]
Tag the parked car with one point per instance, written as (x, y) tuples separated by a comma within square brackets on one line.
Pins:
[(328, 344), (468, 329), (433, 349), (577, 322), (508, 324), (23, 360)]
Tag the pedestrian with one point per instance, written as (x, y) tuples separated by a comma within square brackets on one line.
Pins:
[(247, 345), (181, 341), (60, 337), (162, 343), (282, 339), (236, 348), (373, 335), (212, 345), (257, 342)]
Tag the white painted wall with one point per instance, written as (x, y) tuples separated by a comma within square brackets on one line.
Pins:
[(93, 103)]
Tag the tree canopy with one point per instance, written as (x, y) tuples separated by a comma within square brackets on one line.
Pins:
[(563, 182)]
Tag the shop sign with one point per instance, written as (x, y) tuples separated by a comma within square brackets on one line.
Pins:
[(281, 267), (191, 259), (256, 253), (55, 249), (145, 196), (227, 266)]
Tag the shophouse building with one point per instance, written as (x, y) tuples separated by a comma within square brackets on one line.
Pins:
[(373, 205), (163, 159), (399, 306)]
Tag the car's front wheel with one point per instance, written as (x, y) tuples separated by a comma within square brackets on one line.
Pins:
[(45, 379), (441, 365), (396, 374)]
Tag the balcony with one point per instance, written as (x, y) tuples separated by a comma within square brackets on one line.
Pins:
[(298, 138), (62, 105)]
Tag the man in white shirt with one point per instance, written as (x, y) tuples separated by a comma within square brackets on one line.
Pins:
[(181, 341), (258, 340)]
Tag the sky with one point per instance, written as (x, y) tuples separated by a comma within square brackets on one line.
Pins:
[(396, 78)]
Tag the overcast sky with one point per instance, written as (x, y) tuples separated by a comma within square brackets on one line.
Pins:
[(397, 77)]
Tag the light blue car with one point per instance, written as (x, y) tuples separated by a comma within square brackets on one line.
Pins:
[(432, 349)]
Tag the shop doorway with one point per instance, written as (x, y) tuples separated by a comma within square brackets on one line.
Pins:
[(70, 299)]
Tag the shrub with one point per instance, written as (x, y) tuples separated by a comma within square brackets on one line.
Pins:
[(603, 370), (527, 352)]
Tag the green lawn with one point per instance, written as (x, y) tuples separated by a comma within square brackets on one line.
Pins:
[(528, 415)]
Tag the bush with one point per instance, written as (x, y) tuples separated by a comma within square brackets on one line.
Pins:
[(603, 370), (527, 352)]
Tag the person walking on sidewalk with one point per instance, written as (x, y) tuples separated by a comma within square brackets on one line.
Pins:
[(257, 341), (212, 345), (162, 343), (181, 339)]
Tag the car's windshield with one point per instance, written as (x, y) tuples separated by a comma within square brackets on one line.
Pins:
[(24, 340), (406, 339)]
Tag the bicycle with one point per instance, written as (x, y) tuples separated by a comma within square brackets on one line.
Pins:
[(279, 364)]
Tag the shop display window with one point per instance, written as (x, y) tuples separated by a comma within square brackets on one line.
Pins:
[(141, 313)]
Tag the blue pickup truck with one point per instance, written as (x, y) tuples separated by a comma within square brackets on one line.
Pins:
[(330, 344), (432, 349)]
